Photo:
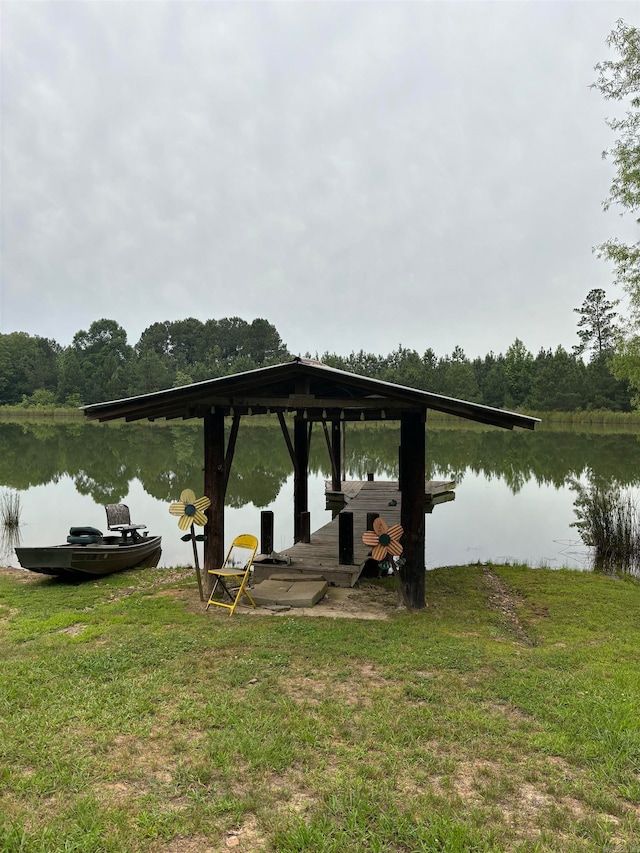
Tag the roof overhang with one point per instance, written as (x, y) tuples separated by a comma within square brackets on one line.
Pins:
[(302, 386)]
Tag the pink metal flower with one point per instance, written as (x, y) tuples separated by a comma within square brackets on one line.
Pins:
[(384, 540)]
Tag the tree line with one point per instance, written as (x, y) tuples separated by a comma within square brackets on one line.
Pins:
[(100, 365)]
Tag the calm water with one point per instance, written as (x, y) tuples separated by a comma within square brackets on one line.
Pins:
[(513, 502)]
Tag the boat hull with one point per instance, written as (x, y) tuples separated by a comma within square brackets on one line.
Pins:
[(90, 560)]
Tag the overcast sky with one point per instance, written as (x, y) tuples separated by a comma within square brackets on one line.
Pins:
[(360, 174)]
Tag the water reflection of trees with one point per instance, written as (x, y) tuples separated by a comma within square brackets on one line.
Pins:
[(516, 457), (102, 460)]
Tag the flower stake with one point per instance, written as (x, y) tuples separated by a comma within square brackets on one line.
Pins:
[(191, 512), (385, 542)]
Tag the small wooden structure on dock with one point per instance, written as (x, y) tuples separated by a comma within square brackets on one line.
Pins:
[(300, 393)]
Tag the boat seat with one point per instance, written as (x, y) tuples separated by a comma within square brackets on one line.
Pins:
[(84, 536), (119, 518)]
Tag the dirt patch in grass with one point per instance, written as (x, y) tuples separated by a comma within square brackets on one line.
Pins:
[(193, 844), (506, 603), (355, 691), (524, 806), (73, 630), (21, 575), (243, 839)]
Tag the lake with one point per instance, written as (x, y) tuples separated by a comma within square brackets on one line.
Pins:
[(513, 500)]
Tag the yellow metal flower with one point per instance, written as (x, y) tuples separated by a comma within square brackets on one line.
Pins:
[(190, 509), (384, 540)]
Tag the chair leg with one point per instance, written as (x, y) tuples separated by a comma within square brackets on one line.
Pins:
[(233, 596), (225, 589), (242, 591)]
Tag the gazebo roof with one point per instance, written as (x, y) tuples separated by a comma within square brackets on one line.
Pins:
[(301, 385)]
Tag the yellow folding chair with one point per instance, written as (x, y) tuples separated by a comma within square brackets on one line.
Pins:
[(231, 577)]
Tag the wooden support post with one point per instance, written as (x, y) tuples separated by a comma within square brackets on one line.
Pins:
[(412, 472), (345, 539), (214, 487), (287, 438), (305, 527), (231, 447), (336, 445), (266, 531), (335, 470), (300, 483)]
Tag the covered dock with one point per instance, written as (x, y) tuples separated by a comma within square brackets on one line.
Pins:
[(302, 393)]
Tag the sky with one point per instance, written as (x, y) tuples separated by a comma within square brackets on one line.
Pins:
[(363, 175)]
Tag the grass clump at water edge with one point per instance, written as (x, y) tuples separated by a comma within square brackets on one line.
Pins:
[(10, 510), (608, 521), (500, 718)]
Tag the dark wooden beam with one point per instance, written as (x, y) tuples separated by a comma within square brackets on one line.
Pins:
[(296, 402), (287, 439), (214, 488), (300, 479), (336, 444), (412, 478), (331, 449), (231, 446)]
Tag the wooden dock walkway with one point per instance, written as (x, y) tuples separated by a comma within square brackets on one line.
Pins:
[(320, 555)]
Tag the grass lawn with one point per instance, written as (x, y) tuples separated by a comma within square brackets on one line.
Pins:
[(504, 717)]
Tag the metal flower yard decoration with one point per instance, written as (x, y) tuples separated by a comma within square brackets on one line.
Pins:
[(191, 512), (190, 509), (384, 540)]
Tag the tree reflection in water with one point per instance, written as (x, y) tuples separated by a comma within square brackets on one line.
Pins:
[(104, 461)]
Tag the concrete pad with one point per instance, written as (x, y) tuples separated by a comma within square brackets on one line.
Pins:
[(304, 593), (291, 593), (297, 576), (268, 592)]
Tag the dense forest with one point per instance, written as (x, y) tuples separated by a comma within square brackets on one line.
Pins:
[(100, 365)]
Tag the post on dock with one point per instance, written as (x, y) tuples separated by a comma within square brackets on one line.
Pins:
[(345, 539), (305, 527), (412, 478), (266, 531)]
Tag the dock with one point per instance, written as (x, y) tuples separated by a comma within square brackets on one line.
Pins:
[(320, 554)]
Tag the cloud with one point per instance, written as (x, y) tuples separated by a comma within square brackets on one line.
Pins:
[(361, 175)]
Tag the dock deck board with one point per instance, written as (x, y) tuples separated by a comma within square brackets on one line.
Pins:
[(321, 553)]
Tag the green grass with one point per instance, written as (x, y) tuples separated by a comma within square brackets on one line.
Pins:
[(504, 717)]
